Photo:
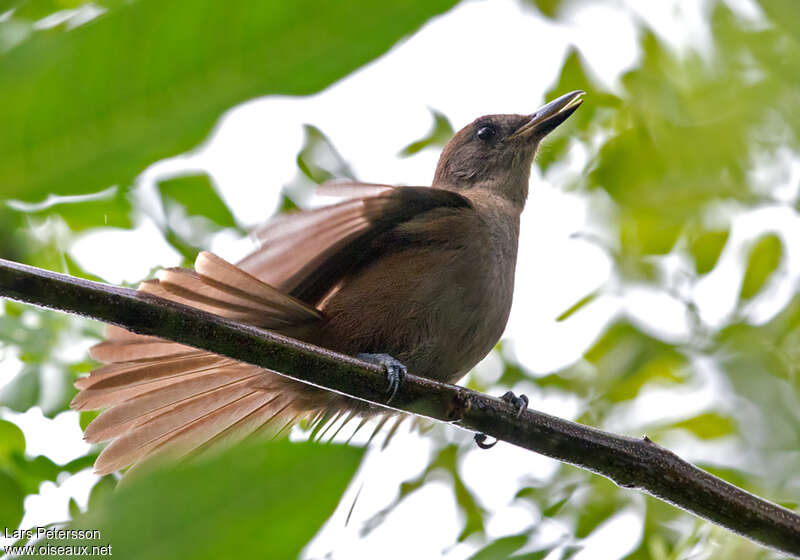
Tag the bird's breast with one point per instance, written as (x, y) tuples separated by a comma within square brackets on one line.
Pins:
[(439, 308)]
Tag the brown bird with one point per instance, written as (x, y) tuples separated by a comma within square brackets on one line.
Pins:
[(416, 277)]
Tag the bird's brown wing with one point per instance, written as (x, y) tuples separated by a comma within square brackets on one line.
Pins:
[(306, 254), (291, 240), (164, 398)]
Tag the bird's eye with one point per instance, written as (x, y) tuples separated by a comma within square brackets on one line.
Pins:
[(487, 133)]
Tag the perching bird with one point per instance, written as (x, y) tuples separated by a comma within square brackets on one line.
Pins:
[(410, 277)]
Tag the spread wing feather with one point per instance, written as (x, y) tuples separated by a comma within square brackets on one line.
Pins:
[(169, 399)]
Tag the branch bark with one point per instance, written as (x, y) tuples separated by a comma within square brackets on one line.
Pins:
[(629, 462)]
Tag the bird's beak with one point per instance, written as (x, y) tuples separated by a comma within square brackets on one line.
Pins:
[(547, 118)]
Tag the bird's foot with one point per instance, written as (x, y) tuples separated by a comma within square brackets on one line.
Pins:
[(480, 441), (520, 402), (395, 371)]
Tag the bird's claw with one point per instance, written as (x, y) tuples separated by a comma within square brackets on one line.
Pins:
[(480, 441), (521, 402), (395, 371)]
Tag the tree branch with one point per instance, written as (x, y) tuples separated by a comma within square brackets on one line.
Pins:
[(629, 462)]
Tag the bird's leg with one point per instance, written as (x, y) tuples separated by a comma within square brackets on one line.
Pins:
[(521, 402), (395, 371)]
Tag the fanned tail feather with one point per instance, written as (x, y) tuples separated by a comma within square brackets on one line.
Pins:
[(167, 399), (141, 439)]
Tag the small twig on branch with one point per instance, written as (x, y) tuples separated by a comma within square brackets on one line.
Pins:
[(629, 462)]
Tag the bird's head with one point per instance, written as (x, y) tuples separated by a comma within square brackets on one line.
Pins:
[(496, 151)]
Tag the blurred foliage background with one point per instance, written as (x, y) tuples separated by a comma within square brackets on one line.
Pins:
[(687, 144)]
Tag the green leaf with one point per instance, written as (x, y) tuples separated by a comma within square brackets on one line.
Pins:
[(35, 333), (785, 13), (35, 337), (648, 234), (625, 352), (448, 460), (667, 368), (30, 473), (11, 498), (86, 108), (668, 153), (13, 244), (86, 417), (554, 508), (501, 548), (553, 496), (186, 249), (83, 462), (36, 9), (708, 426), (757, 372), (31, 387), (12, 440), (439, 135), (6, 5), (764, 259), (574, 75), (198, 197), (705, 248), (605, 499), (287, 204), (577, 306), (22, 392), (471, 508), (549, 8), (74, 509), (319, 160), (254, 501), (101, 492), (111, 208)]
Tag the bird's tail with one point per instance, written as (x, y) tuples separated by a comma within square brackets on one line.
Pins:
[(166, 399)]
